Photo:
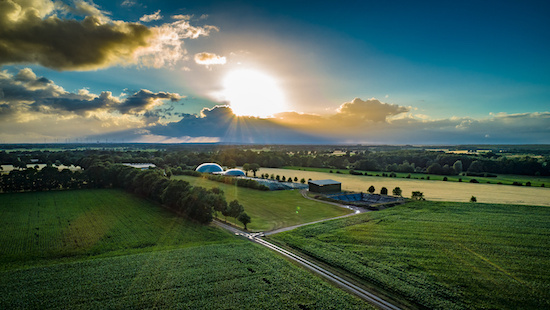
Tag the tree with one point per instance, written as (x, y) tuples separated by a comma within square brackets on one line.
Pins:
[(473, 199), (246, 168), (434, 168), (235, 209), (397, 191), (303, 181), (371, 189), (475, 166), (244, 219), (383, 191), (416, 195), (254, 168), (457, 166)]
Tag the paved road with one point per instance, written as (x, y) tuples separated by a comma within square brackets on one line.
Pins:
[(256, 237)]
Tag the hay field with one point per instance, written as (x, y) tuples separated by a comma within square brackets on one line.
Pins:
[(433, 190)]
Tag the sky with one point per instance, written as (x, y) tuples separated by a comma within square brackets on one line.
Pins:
[(285, 72)]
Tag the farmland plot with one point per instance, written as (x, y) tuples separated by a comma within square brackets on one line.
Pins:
[(441, 255), (222, 276), (433, 190), (62, 224)]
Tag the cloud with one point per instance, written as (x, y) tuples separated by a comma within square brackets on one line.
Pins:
[(128, 3), (182, 17), (32, 31), (36, 106), (208, 59), (151, 17), (222, 123), (369, 110)]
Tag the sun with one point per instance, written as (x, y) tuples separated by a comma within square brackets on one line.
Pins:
[(252, 93)]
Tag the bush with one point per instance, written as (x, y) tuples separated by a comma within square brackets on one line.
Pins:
[(473, 199), (383, 191), (474, 181), (445, 179)]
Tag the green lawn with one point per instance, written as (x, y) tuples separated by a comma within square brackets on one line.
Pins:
[(272, 209), (441, 255), (61, 225)]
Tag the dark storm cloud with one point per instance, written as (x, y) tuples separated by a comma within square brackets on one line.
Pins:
[(32, 32), (30, 35)]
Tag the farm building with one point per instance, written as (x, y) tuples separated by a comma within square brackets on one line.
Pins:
[(209, 168), (324, 186)]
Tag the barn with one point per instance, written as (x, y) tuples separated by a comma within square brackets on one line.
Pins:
[(324, 186)]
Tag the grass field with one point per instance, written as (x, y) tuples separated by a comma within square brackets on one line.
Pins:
[(441, 255), (432, 189), (272, 209), (41, 226), (106, 249)]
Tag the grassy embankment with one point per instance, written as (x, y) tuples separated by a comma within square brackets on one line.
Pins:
[(271, 209), (108, 249), (441, 255)]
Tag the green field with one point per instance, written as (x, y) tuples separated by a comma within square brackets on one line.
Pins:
[(271, 210), (227, 276), (40, 226), (441, 255), (106, 249)]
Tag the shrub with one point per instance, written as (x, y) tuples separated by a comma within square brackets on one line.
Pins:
[(473, 199), (445, 179), (474, 181)]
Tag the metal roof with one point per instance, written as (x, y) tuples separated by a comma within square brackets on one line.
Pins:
[(324, 182)]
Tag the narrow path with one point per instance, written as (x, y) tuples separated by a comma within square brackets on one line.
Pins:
[(360, 292)]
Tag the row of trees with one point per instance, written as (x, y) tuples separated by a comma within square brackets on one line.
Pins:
[(193, 202)]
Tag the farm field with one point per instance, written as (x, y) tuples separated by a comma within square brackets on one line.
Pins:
[(271, 210), (505, 179), (106, 249), (222, 276), (41, 227), (441, 255), (432, 189)]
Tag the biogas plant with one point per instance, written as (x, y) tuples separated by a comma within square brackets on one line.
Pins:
[(214, 168)]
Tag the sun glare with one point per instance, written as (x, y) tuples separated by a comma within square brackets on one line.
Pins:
[(253, 93)]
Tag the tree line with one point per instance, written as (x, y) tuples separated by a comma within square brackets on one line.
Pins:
[(193, 202), (392, 160)]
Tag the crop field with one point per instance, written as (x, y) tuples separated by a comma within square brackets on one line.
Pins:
[(272, 210), (39, 226), (432, 189), (441, 255), (505, 179), (106, 249)]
